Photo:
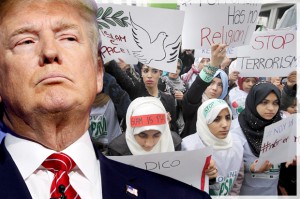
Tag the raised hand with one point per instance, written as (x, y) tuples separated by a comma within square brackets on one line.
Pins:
[(218, 53)]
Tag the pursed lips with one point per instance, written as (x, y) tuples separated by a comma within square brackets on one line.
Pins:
[(149, 81), (270, 113), (52, 78), (212, 93), (224, 132)]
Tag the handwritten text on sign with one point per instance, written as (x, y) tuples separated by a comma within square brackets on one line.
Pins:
[(272, 53), (180, 165), (147, 120), (206, 53), (234, 25), (279, 141), (151, 36)]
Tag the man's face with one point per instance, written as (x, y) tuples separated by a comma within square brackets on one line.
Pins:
[(46, 59)]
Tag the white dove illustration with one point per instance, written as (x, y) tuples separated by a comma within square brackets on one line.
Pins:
[(153, 50)]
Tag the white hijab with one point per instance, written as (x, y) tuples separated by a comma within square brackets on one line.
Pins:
[(143, 106), (207, 113)]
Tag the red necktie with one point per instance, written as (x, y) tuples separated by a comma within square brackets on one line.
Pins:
[(60, 164)]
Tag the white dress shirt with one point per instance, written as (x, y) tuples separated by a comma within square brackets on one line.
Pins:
[(28, 156)]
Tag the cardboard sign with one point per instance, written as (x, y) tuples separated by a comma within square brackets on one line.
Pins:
[(210, 21), (186, 166), (280, 141), (270, 53), (151, 36)]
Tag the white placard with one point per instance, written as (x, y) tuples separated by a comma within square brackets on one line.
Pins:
[(149, 35), (279, 141), (185, 166), (270, 53), (209, 21)]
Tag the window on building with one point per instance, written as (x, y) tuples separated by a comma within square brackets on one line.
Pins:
[(281, 12), (264, 18)]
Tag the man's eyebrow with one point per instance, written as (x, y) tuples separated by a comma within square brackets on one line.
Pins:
[(24, 29), (62, 25), (57, 27)]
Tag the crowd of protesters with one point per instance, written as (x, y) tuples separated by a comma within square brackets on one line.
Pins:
[(205, 103)]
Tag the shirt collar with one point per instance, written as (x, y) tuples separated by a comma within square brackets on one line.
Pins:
[(81, 151)]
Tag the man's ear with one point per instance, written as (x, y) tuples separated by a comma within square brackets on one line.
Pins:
[(100, 73)]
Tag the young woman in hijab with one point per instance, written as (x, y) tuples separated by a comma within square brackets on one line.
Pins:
[(213, 124), (190, 76), (207, 85), (147, 130), (237, 95), (261, 110)]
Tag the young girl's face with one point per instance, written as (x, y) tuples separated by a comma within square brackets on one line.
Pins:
[(150, 76), (175, 75), (248, 83), (293, 108), (148, 139), (203, 62), (221, 124), (214, 90), (268, 108)]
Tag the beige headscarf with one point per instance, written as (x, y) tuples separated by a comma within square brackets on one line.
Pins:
[(144, 107), (207, 113)]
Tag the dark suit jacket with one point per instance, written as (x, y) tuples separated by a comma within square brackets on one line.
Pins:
[(116, 177)]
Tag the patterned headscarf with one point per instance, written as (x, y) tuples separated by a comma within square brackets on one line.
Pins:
[(194, 70), (252, 124)]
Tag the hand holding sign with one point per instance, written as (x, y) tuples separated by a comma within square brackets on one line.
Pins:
[(212, 171), (280, 141), (218, 52), (292, 79), (266, 166)]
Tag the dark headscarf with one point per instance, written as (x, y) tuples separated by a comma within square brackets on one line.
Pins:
[(252, 124)]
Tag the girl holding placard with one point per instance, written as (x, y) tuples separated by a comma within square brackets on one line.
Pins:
[(261, 110), (213, 124)]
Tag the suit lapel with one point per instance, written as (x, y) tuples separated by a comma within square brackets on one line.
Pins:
[(12, 184)]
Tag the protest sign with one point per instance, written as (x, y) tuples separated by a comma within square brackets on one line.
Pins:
[(207, 22), (279, 141), (186, 166), (151, 36), (270, 53)]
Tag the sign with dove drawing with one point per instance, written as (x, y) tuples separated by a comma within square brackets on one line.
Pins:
[(151, 36)]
